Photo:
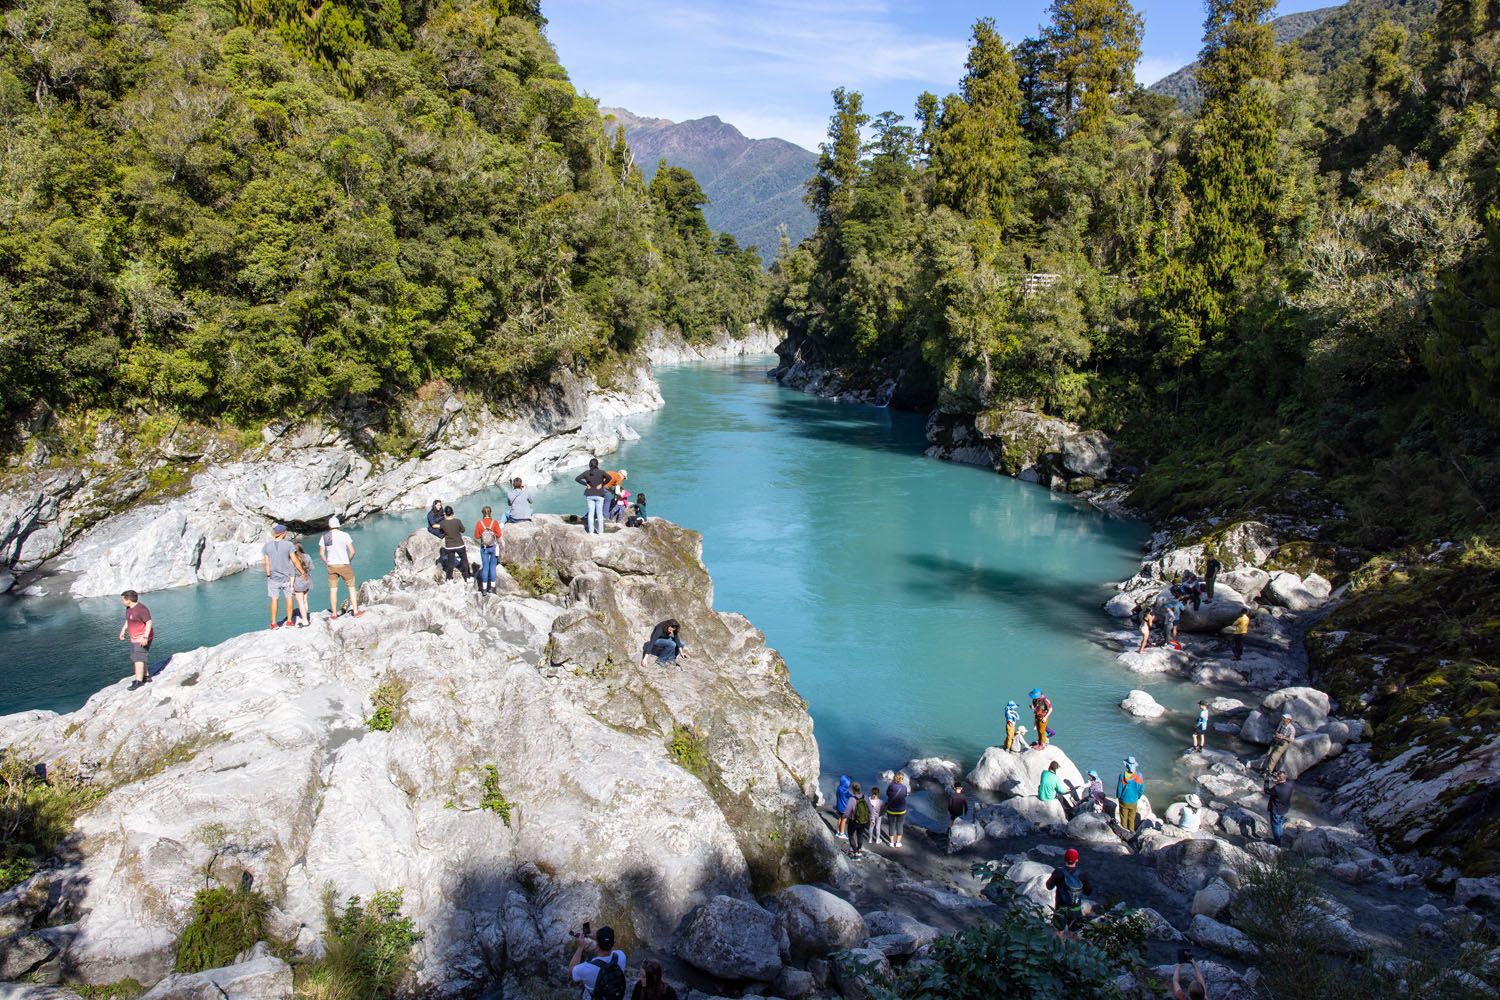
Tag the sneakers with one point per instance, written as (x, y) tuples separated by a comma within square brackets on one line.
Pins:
[(275, 626), (842, 836), (134, 685), (357, 614)]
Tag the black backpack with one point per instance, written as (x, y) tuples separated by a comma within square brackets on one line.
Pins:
[(610, 983), (1072, 888)]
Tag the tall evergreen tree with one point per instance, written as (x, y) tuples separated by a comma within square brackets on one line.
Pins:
[(831, 188), (1093, 46), (978, 153)]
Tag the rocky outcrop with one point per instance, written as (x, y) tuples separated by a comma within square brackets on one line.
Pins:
[(536, 774), (1030, 446), (664, 349), (1141, 705), (87, 522)]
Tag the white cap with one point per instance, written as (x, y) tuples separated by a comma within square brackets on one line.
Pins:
[(333, 522)]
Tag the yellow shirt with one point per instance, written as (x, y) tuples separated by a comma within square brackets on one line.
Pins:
[(1242, 624)]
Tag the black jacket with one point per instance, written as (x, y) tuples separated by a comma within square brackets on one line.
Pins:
[(1279, 797), (592, 481)]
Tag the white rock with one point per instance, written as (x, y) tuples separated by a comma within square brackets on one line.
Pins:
[(1215, 615), (880, 923), (1221, 938), (1120, 606), (945, 772), (1306, 752), (262, 978), (1189, 865), (1289, 591), (731, 939), (1141, 705), (1247, 581), (817, 922), (1021, 773), (1213, 899), (1092, 828), (1020, 816), (1307, 706), (1157, 926), (963, 834)]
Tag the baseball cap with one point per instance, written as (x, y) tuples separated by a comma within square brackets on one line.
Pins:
[(278, 528), (1286, 715), (605, 936), (333, 522), (1070, 856)]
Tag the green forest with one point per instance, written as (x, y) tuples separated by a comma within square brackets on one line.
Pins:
[(1289, 299), (253, 209)]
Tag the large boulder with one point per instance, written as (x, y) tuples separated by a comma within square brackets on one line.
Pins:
[(1141, 705), (1215, 615), (1226, 940), (963, 834), (1246, 543), (1247, 581), (882, 923), (1021, 816), (1092, 828), (731, 939), (855, 969), (1087, 453), (1189, 865), (1307, 706), (1213, 899), (1296, 594), (265, 977), (1156, 660), (1306, 752), (817, 922), (1009, 773), (939, 769)]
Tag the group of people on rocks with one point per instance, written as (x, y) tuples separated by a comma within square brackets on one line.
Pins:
[(866, 818), (606, 499), (600, 969), (1197, 591)]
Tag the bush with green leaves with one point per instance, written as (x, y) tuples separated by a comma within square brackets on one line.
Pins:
[(367, 949), (37, 809), (225, 922), (491, 798), (535, 577), (387, 698)]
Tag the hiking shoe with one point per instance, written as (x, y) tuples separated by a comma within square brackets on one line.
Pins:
[(358, 614), (275, 626), (133, 685)]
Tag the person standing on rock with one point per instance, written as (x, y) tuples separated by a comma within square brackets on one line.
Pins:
[(139, 629), (301, 585), (1047, 787), (592, 480), (487, 534), (665, 643), (1146, 622), (1012, 721), (277, 557), (1278, 803), (1211, 575), (518, 503), (877, 804), (1070, 885), (603, 976), (1285, 733), (895, 806), (651, 985), (1128, 792), (455, 554), (435, 519), (336, 549), (1172, 614), (1041, 711), (958, 806), (841, 797), (1200, 729), (858, 815), (1239, 629)]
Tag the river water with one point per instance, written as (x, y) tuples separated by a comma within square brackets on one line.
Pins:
[(911, 598)]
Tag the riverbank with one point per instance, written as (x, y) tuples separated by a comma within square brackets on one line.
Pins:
[(195, 506)]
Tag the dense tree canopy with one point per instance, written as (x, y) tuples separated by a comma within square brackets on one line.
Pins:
[(1296, 283), (260, 208)]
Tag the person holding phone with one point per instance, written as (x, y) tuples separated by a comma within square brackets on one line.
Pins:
[(1197, 989)]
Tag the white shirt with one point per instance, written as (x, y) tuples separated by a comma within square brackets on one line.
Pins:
[(587, 972), (336, 546)]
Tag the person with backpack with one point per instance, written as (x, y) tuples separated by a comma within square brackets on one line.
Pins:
[(518, 503), (336, 549), (592, 480), (841, 797), (651, 985), (487, 534), (454, 553), (1041, 711), (895, 806), (1128, 792), (858, 814), (603, 976), (1070, 885), (1012, 721)]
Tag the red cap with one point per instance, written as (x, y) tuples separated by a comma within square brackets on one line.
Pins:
[(1070, 856)]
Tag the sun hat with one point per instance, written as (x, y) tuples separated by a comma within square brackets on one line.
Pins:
[(333, 522), (1093, 774), (1286, 715), (1010, 704), (1035, 693), (1070, 856), (1130, 763), (1194, 801)]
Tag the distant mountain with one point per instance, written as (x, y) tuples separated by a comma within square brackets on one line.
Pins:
[(753, 185), (1183, 84)]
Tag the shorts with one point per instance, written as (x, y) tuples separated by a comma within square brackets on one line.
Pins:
[(279, 586), (344, 572), (1199, 727), (139, 653), (894, 823)]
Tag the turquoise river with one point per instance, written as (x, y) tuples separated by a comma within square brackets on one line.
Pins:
[(911, 598)]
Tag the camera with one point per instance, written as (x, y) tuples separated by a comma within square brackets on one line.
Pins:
[(1184, 956)]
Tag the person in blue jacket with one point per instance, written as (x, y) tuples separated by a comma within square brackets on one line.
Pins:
[(1128, 792), (841, 804), (1012, 722)]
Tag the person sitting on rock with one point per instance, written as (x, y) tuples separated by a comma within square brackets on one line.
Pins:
[(1047, 789), (1069, 885), (1285, 733), (895, 806), (651, 985), (1278, 803), (1191, 818), (604, 974), (1147, 620), (1238, 631), (435, 517), (1012, 722), (518, 503), (454, 553), (841, 797), (1041, 710), (1128, 792), (1093, 793), (1200, 729), (665, 643)]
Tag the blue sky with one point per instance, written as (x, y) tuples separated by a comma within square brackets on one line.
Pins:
[(767, 66)]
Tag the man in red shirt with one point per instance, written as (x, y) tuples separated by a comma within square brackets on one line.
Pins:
[(139, 629)]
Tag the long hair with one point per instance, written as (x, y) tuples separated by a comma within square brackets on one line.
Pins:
[(651, 972)]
